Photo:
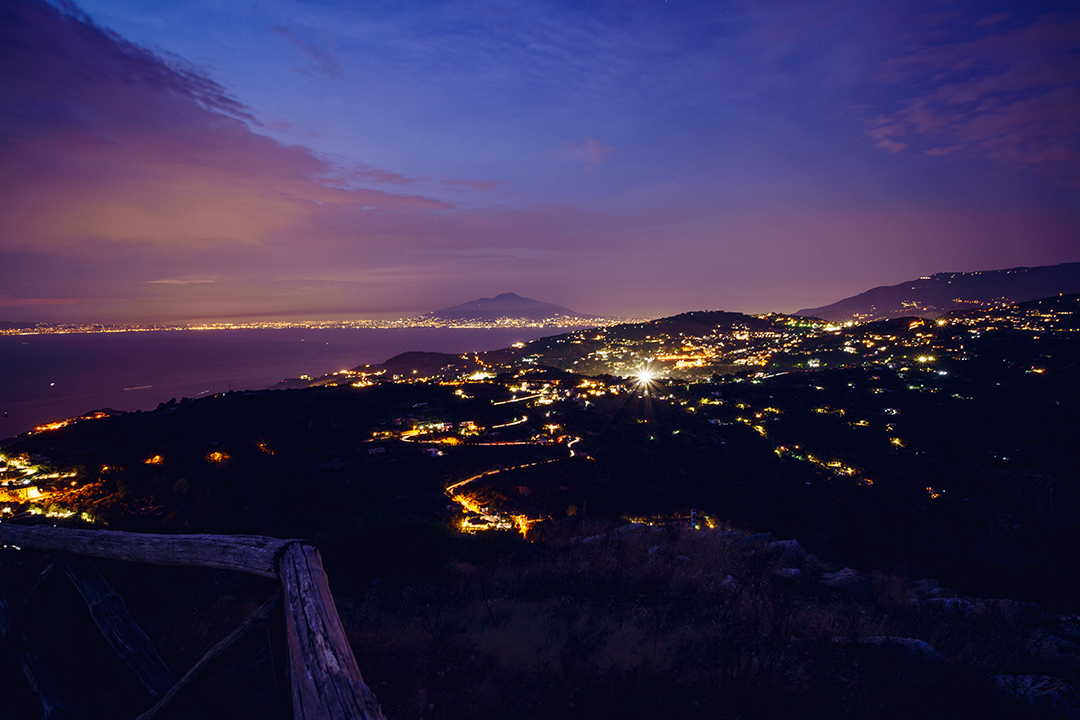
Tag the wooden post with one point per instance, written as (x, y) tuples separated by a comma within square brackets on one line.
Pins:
[(324, 680), (53, 704), (254, 554)]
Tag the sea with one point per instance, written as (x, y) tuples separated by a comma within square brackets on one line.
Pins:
[(45, 378)]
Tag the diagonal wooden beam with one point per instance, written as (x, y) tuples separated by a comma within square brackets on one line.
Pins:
[(122, 633), (17, 623), (324, 679), (214, 654), (54, 705)]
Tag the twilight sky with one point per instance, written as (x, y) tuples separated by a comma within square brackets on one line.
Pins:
[(173, 160)]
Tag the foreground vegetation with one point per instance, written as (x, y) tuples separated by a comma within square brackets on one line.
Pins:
[(631, 621)]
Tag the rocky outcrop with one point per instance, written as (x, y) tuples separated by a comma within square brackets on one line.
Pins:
[(1044, 694), (847, 582), (909, 655)]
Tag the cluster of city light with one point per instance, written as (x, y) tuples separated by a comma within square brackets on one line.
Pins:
[(422, 321), (835, 467), (22, 481), (17, 467), (70, 421), (645, 362)]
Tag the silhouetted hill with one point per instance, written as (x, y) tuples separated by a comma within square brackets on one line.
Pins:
[(507, 305), (421, 363), (942, 292)]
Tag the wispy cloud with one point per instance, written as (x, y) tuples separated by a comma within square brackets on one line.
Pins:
[(591, 153), (183, 281), (152, 152), (464, 185), (1009, 92), (518, 253), (327, 64)]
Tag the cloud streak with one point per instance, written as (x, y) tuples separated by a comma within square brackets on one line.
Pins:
[(119, 144), (1008, 93), (591, 153), (327, 63)]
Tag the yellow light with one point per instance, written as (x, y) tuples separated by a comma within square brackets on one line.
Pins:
[(523, 523), (156, 460), (52, 426)]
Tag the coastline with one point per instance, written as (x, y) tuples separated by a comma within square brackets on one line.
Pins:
[(55, 376)]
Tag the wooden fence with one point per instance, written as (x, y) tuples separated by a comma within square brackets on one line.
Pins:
[(324, 680)]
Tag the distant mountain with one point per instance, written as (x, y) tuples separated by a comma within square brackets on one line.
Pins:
[(422, 363), (507, 305), (938, 294)]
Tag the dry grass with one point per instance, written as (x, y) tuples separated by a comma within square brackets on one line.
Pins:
[(640, 624), (657, 625)]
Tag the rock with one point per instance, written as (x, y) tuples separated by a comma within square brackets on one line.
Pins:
[(1047, 695), (724, 536), (759, 539), (925, 589), (1017, 612), (954, 607), (1052, 646), (682, 558), (788, 573), (788, 550), (909, 655), (1069, 628), (848, 581)]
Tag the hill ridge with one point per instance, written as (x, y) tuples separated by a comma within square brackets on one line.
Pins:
[(937, 294)]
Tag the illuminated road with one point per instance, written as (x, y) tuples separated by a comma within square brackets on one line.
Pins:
[(496, 520), (514, 400)]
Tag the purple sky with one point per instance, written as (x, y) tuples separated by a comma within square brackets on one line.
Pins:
[(182, 160)]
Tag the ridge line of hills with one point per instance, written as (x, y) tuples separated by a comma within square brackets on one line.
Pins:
[(939, 293), (926, 297)]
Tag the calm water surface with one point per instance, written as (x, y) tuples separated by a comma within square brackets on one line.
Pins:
[(52, 377)]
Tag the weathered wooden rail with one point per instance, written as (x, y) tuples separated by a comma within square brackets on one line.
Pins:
[(324, 679)]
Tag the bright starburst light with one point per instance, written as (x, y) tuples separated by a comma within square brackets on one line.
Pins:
[(645, 377)]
